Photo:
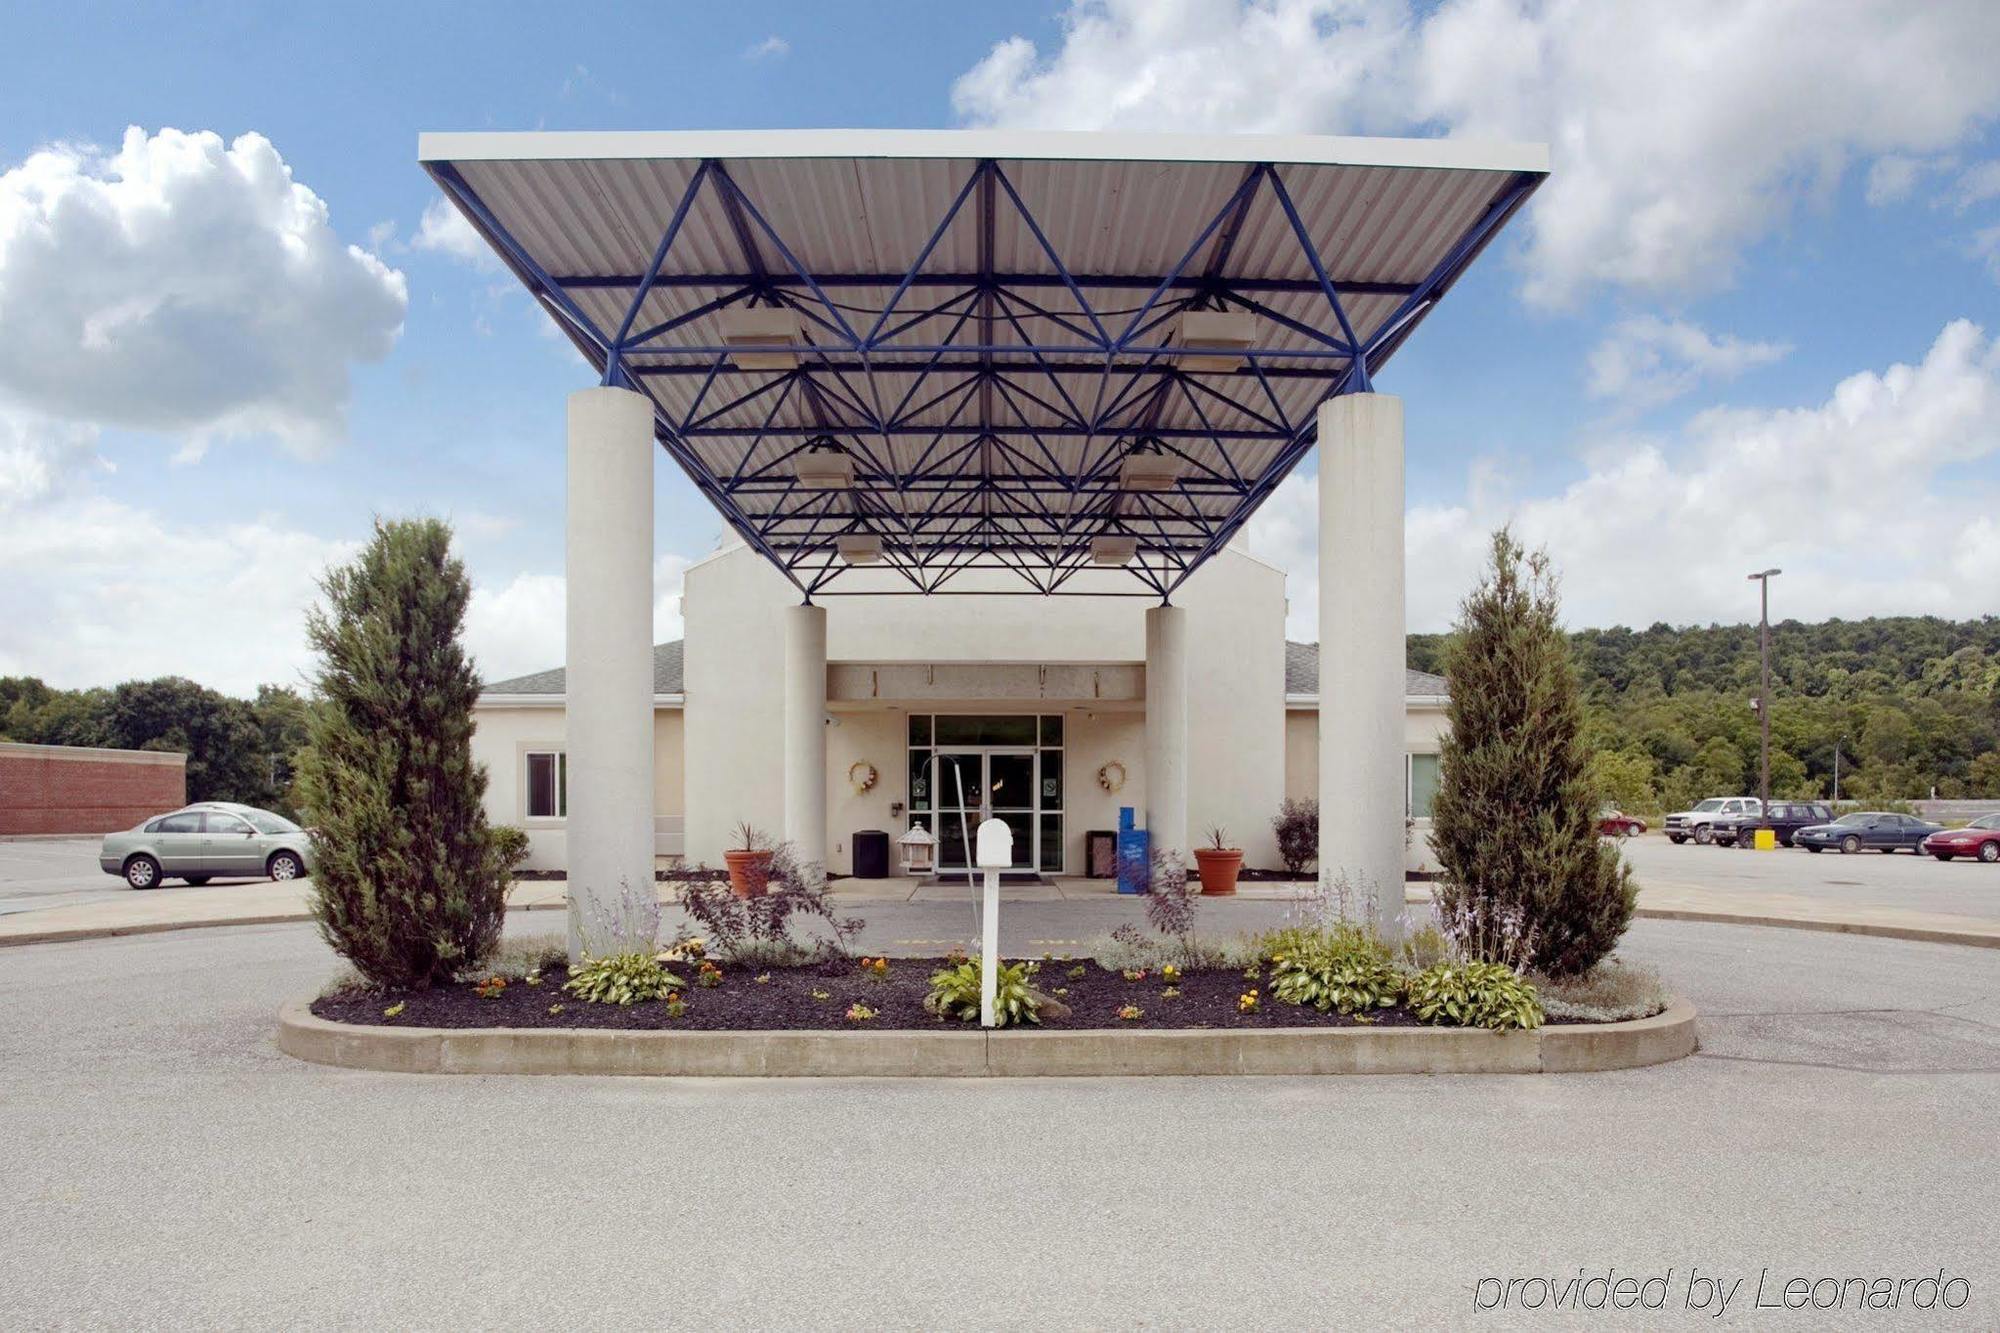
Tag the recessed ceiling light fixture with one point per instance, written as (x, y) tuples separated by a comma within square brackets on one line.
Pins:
[(823, 467), (1149, 472), (1228, 333), (1113, 550), (747, 328), (859, 548)]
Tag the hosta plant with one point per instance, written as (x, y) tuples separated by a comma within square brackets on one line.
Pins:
[(1343, 967), (1474, 995), (624, 979), (955, 994)]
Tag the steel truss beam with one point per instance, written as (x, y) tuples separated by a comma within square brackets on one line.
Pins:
[(1015, 474)]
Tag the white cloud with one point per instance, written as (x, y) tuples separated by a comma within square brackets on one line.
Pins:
[(1681, 133), (187, 287), (1978, 183), (444, 230), (41, 459), (771, 48), (99, 591), (1894, 176), (1645, 361), (517, 627), (1860, 499)]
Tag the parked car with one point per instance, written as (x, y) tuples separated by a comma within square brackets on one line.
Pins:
[(1980, 838), (1615, 823), (1699, 822), (1783, 818), (201, 841), (1871, 829)]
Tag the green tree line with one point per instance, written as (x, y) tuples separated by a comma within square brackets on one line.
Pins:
[(1910, 704), (237, 749)]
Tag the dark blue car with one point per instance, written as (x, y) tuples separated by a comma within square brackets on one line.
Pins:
[(1872, 830)]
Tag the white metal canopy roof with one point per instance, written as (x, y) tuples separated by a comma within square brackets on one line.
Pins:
[(966, 334)]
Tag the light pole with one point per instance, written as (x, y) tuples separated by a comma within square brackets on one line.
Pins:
[(1764, 691)]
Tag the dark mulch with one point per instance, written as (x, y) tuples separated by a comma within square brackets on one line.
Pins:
[(785, 1000)]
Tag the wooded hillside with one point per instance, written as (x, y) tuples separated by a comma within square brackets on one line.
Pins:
[(1910, 701)]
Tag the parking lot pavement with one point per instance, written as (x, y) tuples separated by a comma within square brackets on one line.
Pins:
[(169, 1168), (1866, 879), (37, 874)]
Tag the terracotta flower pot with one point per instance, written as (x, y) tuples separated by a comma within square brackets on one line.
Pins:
[(749, 873), (1219, 869)]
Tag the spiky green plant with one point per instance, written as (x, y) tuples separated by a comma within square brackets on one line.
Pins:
[(409, 883), (1524, 877)]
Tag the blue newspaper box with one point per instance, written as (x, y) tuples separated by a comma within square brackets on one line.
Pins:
[(1135, 859)]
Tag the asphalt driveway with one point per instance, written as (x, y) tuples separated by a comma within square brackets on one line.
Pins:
[(168, 1167)]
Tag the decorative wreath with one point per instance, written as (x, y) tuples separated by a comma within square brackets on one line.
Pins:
[(862, 777), (1112, 776)]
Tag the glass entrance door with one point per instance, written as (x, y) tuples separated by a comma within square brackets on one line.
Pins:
[(977, 782)]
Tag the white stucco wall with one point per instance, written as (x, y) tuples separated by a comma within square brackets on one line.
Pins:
[(501, 738), (1423, 731), (733, 604)]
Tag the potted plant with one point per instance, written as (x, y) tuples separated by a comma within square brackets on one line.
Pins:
[(1220, 864), (749, 863)]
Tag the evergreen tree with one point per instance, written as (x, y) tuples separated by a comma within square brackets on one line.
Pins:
[(1514, 822), (409, 884)]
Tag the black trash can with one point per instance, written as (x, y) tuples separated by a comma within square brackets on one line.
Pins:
[(871, 854)]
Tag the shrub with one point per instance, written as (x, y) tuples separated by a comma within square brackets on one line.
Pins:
[(759, 931), (409, 883), (1297, 827), (623, 979), (1514, 819), (1126, 950), (1611, 992), (1474, 995), (1170, 903), (1344, 967), (955, 994), (510, 844)]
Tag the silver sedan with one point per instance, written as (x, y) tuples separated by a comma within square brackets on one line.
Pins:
[(206, 840)]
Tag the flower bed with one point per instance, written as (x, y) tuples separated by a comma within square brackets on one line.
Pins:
[(821, 997)]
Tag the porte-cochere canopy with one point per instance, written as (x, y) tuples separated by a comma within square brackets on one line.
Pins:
[(1082, 358)]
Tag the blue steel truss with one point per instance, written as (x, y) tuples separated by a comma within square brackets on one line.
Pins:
[(986, 490)]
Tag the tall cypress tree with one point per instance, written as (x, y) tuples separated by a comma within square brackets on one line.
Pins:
[(408, 882), (1514, 822)]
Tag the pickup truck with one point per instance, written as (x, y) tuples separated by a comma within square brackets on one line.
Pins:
[(1699, 823), (1784, 818)]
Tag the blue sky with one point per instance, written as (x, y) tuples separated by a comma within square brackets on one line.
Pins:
[(1681, 365)]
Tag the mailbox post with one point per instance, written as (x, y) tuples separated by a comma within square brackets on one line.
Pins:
[(995, 853)]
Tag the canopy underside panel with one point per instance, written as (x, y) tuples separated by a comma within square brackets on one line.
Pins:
[(995, 352)]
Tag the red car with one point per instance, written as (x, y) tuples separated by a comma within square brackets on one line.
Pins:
[(1980, 838), (1617, 824)]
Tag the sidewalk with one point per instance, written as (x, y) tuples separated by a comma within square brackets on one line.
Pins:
[(179, 908)]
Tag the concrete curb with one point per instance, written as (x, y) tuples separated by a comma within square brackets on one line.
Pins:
[(961, 1054), (1976, 939)]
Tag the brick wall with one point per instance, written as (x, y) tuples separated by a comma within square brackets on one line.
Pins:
[(71, 789)]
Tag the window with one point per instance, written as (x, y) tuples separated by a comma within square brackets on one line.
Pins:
[(548, 784), (185, 823), (221, 823), (266, 822), (1423, 784)]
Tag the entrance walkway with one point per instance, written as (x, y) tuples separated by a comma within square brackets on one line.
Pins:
[(181, 908)]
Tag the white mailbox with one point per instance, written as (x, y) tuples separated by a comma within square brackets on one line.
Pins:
[(996, 844)]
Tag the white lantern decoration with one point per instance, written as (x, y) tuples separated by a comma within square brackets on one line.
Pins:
[(918, 850)]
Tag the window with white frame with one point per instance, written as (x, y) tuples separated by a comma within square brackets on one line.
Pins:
[(548, 784), (1423, 784)]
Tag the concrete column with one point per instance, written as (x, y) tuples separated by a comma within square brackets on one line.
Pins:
[(805, 732), (1166, 730), (609, 680), (1362, 780)]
